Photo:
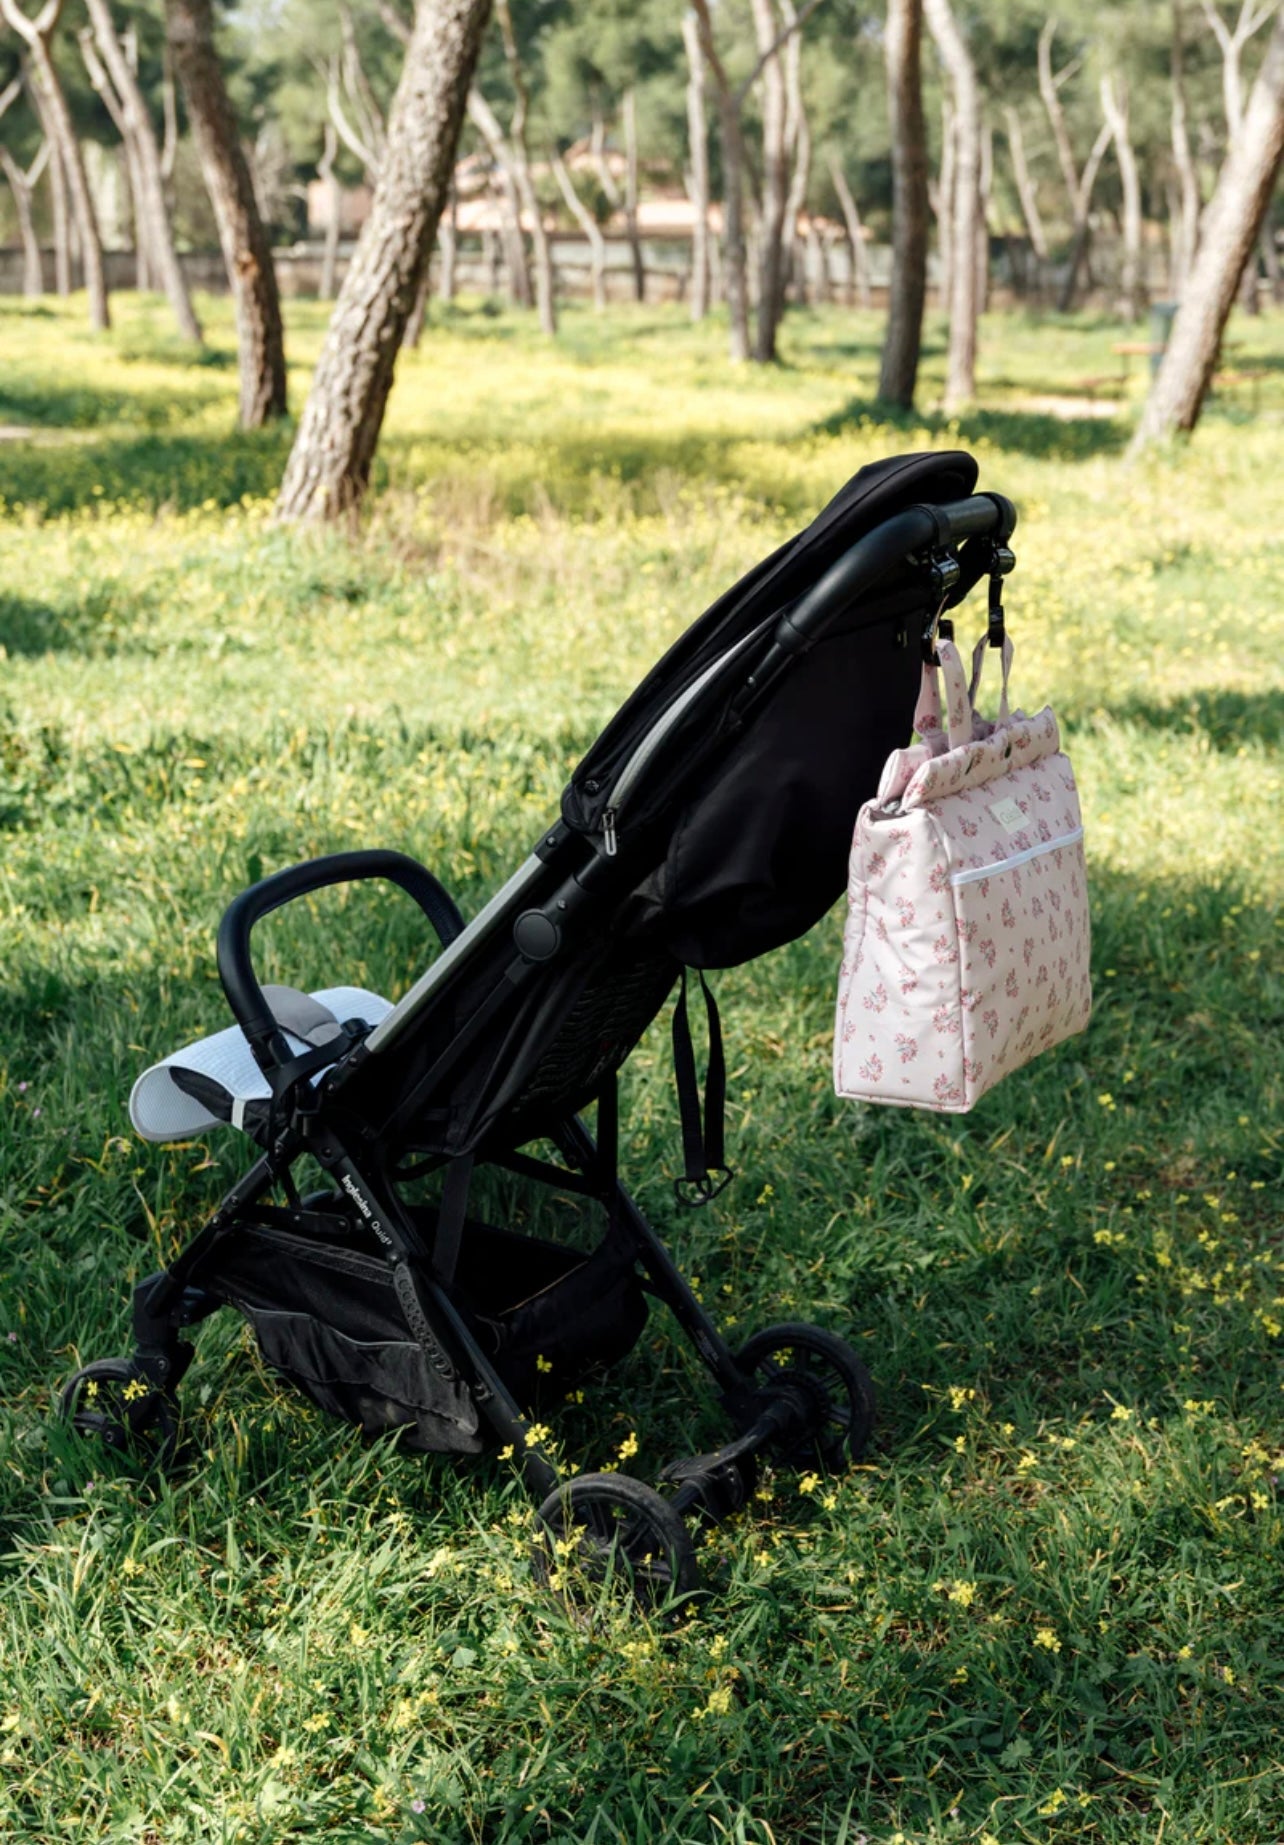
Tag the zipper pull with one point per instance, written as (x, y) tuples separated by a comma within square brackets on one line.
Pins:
[(608, 831)]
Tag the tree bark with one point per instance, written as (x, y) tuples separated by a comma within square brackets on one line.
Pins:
[(484, 119), (22, 184), (149, 200), (246, 252), (1082, 229), (898, 371), (734, 276), (1025, 187), (589, 226), (1115, 109), (855, 234), (329, 467), (334, 209), (798, 142), (448, 243), (1231, 226), (1078, 185), (61, 130), (945, 206), (629, 110), (960, 373), (545, 281), (1186, 223), (698, 184), (772, 217)]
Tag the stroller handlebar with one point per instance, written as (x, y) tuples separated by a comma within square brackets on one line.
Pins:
[(858, 569), (235, 966)]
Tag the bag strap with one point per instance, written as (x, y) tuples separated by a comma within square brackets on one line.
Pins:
[(927, 713), (705, 1171), (958, 706), (979, 652), (453, 1209)]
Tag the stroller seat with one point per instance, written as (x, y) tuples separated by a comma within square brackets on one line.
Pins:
[(215, 1080), (709, 823)]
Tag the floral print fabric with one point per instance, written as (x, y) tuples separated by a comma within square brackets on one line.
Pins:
[(966, 947)]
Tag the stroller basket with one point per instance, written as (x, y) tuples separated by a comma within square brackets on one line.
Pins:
[(710, 823), (327, 1318)]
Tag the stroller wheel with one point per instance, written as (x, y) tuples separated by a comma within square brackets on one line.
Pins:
[(833, 1391), (609, 1527), (110, 1401)]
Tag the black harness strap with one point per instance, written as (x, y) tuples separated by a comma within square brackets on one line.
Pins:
[(705, 1171), (450, 1219)]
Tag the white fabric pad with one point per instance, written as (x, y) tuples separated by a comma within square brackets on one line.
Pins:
[(159, 1109)]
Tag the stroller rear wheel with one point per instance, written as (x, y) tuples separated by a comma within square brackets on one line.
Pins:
[(833, 1390), (609, 1526), (112, 1402)]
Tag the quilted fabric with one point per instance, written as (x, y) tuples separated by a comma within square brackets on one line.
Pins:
[(967, 940)]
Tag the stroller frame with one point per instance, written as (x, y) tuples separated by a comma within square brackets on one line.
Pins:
[(793, 1391)]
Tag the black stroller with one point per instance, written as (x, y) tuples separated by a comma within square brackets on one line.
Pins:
[(709, 823)]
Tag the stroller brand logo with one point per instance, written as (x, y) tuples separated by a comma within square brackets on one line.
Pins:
[(356, 1198), (354, 1192)]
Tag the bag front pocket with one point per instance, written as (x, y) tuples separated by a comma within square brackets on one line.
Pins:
[(1024, 942)]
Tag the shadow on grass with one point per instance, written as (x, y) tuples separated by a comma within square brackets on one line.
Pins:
[(1228, 719), (1025, 432), (151, 471), (40, 402), (29, 628)]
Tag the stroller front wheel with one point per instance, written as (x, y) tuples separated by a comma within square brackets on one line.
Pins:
[(109, 1401), (833, 1390), (608, 1526)]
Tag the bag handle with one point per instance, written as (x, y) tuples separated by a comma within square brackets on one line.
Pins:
[(958, 704), (978, 661)]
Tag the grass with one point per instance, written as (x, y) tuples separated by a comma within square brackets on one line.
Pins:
[(1047, 1607)]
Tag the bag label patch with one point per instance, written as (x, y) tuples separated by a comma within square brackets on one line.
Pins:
[(1008, 814)]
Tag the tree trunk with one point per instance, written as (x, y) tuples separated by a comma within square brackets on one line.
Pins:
[(733, 265), (1231, 226), (1082, 229), (1025, 188), (818, 264), (1115, 109), (630, 114), (589, 226), (855, 233), (1186, 223), (329, 467), (960, 374), (149, 199), (545, 281), (945, 207), (698, 183), (448, 241), (898, 372), (414, 328), (246, 252), (60, 218), (60, 128), (334, 211), (771, 229), (22, 185), (985, 186), (484, 119), (798, 141)]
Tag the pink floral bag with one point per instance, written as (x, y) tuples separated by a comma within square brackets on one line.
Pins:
[(966, 947)]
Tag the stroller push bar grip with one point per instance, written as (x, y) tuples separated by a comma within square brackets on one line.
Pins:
[(235, 967), (871, 557)]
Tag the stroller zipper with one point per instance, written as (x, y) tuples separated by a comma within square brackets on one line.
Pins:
[(608, 832)]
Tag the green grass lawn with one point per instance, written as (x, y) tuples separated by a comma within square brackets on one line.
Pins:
[(1048, 1606)]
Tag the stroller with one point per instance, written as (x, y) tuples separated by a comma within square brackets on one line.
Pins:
[(709, 823)]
